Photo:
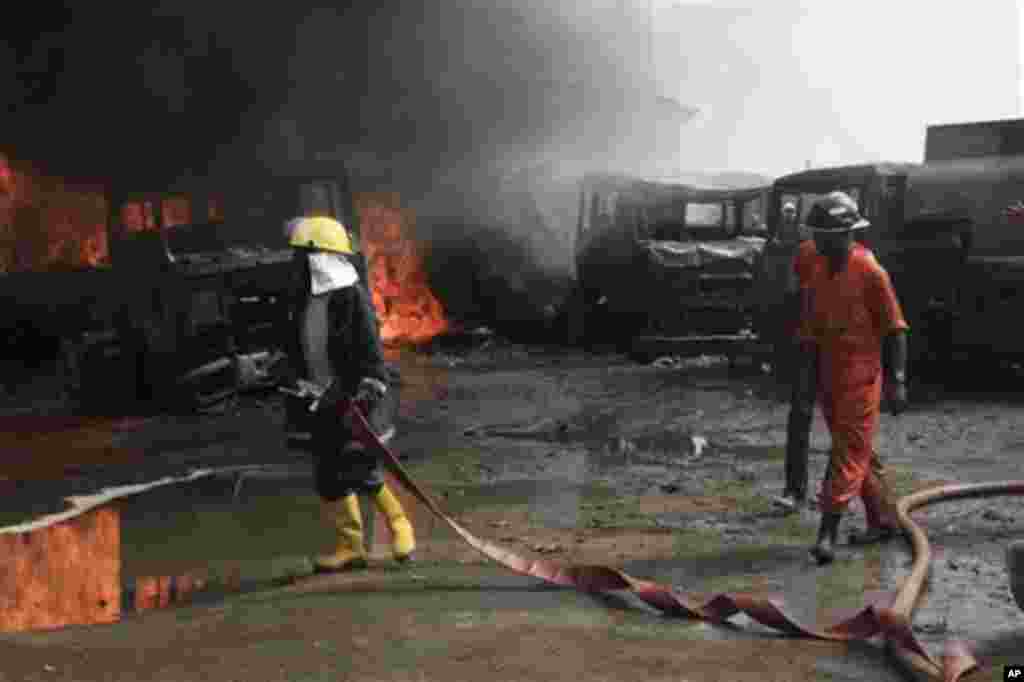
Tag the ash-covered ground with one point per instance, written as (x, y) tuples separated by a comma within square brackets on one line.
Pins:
[(665, 470)]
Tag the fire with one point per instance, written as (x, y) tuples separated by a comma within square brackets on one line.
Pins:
[(47, 223), (407, 308), (64, 574)]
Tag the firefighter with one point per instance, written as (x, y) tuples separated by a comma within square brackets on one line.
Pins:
[(849, 309), (340, 348)]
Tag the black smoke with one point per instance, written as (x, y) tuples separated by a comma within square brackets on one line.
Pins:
[(438, 101)]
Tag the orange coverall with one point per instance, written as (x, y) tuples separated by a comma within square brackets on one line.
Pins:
[(848, 316)]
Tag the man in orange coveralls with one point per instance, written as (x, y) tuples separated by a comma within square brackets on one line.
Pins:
[(849, 309)]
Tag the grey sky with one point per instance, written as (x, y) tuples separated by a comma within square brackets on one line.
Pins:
[(782, 82)]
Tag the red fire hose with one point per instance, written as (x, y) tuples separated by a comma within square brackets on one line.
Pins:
[(889, 617)]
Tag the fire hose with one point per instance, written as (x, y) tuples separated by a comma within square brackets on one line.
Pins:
[(888, 616)]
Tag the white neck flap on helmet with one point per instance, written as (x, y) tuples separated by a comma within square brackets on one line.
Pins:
[(329, 272)]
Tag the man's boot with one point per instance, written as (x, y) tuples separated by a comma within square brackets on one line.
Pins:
[(404, 541), (823, 550), (881, 523), (886, 497), (349, 551)]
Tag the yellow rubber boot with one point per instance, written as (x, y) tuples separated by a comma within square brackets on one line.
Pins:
[(349, 552), (404, 541)]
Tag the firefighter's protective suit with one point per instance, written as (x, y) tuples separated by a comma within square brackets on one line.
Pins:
[(339, 345)]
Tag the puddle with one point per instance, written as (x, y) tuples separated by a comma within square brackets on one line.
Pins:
[(199, 543), (192, 545)]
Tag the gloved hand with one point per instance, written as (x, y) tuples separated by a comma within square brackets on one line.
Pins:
[(369, 393)]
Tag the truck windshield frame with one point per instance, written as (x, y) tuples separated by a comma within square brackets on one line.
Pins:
[(705, 215), (805, 198)]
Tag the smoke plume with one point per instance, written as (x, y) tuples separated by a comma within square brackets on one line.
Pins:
[(483, 117), (441, 102)]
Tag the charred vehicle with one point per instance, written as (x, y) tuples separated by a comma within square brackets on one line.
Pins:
[(669, 268), (947, 230), (965, 203), (195, 291)]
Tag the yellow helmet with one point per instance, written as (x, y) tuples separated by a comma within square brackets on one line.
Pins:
[(325, 234)]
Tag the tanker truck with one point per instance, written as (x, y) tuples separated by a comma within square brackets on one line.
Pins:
[(950, 231)]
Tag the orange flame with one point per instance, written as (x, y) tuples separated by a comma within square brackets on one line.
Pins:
[(65, 574), (45, 222), (408, 309)]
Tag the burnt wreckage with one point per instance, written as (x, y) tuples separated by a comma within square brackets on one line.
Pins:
[(948, 230), (189, 308), (669, 268), (673, 270)]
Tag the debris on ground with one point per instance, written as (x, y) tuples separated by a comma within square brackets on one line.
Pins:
[(745, 473), (683, 362), (994, 515), (549, 548), (932, 627), (721, 438), (544, 428), (619, 446)]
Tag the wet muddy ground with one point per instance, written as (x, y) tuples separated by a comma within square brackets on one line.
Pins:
[(665, 472)]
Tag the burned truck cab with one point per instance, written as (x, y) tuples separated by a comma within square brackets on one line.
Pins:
[(205, 273), (667, 268), (700, 248)]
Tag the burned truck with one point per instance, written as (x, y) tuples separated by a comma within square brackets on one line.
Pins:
[(965, 204), (948, 230), (669, 268), (198, 278)]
